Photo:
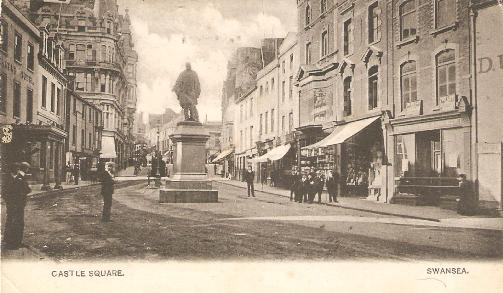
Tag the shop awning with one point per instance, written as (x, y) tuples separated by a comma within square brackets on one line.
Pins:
[(222, 155), (343, 132), (275, 154), (108, 147)]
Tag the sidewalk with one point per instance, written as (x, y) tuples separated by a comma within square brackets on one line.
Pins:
[(36, 188), (428, 213)]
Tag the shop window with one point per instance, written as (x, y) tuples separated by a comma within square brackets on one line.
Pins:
[(44, 92), (347, 96), (18, 47), (53, 97), (374, 23), (308, 53), (324, 43), (408, 81), (30, 56), (446, 74), (445, 13), (408, 21), (16, 104), (323, 6), (373, 87), (3, 91), (404, 155), (348, 37), (308, 14), (5, 36)]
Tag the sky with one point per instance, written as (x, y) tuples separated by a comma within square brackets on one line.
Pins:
[(169, 33)]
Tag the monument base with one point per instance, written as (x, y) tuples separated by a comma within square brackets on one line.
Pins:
[(189, 183)]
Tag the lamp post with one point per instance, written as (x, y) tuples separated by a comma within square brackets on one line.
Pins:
[(158, 172)]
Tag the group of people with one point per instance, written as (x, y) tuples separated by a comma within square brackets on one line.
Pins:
[(304, 187), (15, 190), (72, 172)]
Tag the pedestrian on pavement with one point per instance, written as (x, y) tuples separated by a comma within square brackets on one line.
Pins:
[(107, 190), (249, 178), (320, 183), (312, 187), (300, 190), (68, 173), (76, 173), (467, 204), (294, 181), (15, 190), (332, 185)]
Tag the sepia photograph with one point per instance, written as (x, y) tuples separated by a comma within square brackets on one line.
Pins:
[(251, 145)]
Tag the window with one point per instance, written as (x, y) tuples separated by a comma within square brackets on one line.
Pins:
[(81, 81), (89, 53), (408, 83), (71, 52), (5, 36), (266, 122), (291, 62), (51, 155), (251, 136), (374, 23), (445, 13), (348, 37), (261, 90), (18, 47), (290, 88), (324, 43), (283, 124), (74, 135), (103, 53), (308, 14), (272, 120), (241, 137), (272, 85), (103, 83), (408, 20), (58, 101), (372, 87), (347, 96), (89, 141), (308, 53), (82, 138), (267, 88), (74, 105), (30, 56), (260, 128), (53, 97), (89, 80), (81, 52), (44, 92), (49, 49), (241, 113), (446, 74), (16, 104), (290, 122), (3, 91), (29, 105), (251, 107), (283, 66), (323, 5), (81, 26), (283, 94)]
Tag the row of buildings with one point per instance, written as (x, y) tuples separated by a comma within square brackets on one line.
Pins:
[(68, 85), (384, 92)]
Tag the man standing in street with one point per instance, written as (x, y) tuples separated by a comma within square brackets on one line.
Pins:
[(332, 185), (15, 190), (107, 190), (320, 182), (250, 177), (76, 172), (293, 183)]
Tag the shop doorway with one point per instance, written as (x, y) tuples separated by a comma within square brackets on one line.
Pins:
[(428, 154)]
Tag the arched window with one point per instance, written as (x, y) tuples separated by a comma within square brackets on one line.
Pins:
[(323, 5), (408, 21), (308, 14), (408, 82), (347, 96), (373, 87), (446, 74)]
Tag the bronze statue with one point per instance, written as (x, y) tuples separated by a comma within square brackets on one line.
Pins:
[(187, 89)]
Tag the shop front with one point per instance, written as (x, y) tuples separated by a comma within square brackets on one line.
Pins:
[(355, 151), (429, 154), (226, 162), (270, 164)]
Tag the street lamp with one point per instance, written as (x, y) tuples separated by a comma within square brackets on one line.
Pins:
[(158, 173)]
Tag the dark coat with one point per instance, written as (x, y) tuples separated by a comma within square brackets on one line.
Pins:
[(332, 183), (249, 176), (107, 183), (15, 190)]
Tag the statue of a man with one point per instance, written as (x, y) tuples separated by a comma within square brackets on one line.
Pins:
[(187, 89)]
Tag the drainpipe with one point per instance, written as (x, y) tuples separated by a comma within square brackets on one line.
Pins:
[(473, 100)]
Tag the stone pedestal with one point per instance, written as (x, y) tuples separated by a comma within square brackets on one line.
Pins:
[(189, 181)]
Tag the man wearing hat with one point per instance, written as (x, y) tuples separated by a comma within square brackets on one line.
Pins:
[(15, 190), (107, 189)]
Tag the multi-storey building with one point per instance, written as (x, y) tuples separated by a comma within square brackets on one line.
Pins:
[(100, 58), (245, 132), (343, 90), (33, 95), (85, 124)]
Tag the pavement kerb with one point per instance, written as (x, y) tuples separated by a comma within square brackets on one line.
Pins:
[(343, 206)]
